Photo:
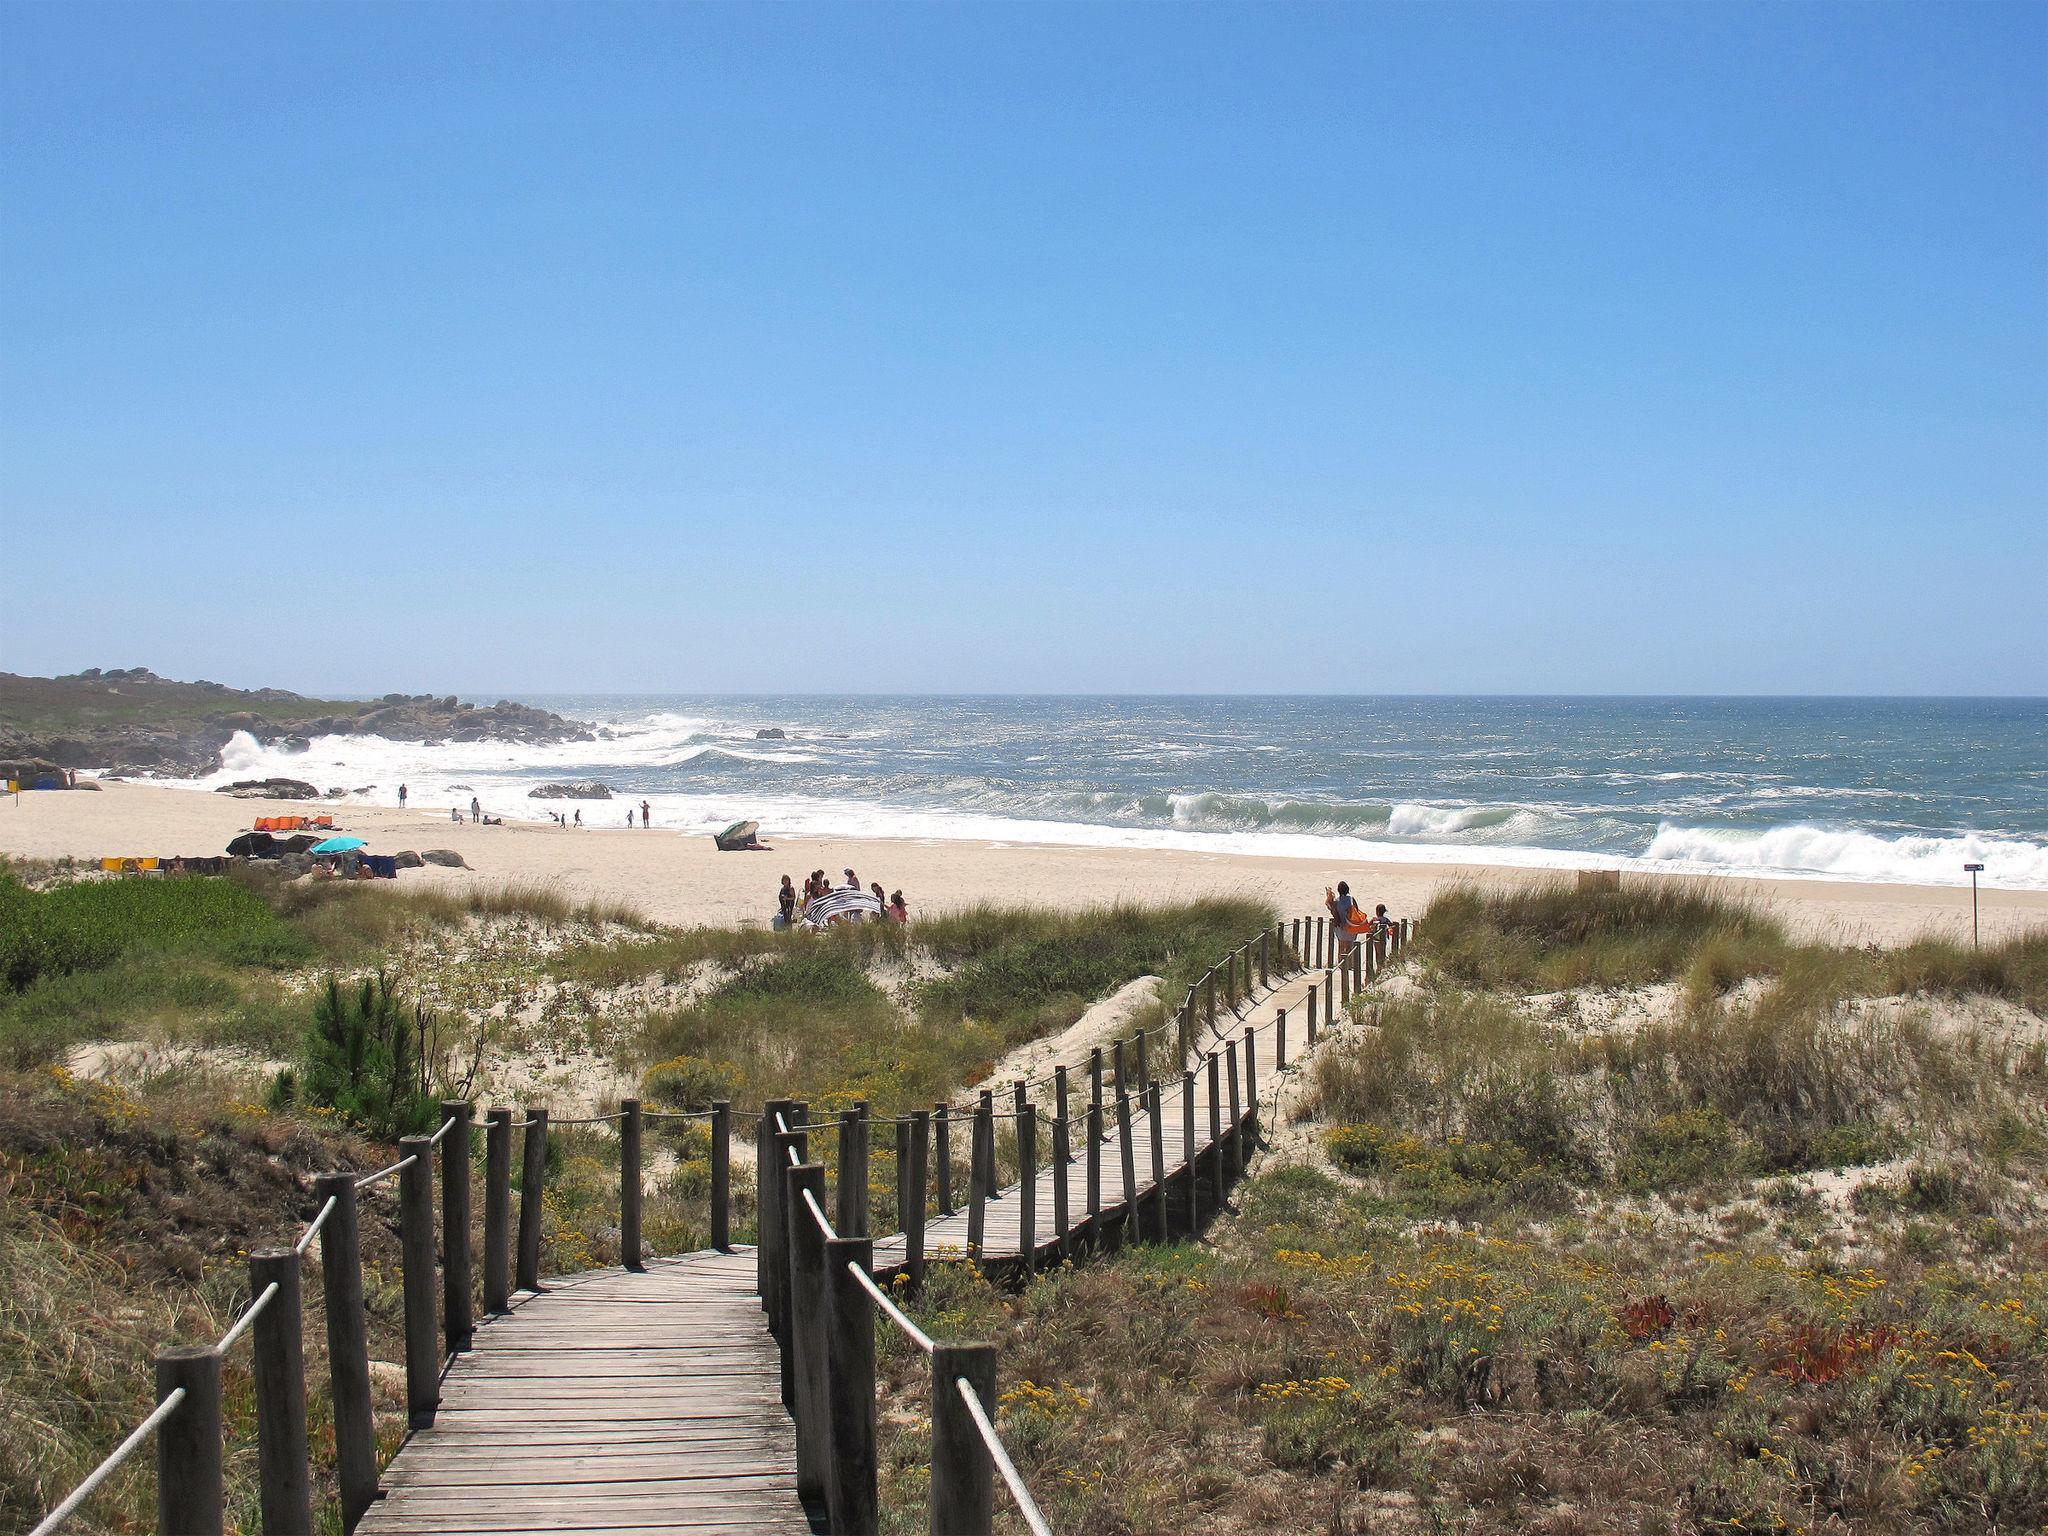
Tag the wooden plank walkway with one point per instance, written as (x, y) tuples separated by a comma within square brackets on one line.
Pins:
[(609, 1402), (946, 1236), (615, 1401)]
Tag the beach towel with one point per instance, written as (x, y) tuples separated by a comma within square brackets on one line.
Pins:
[(841, 906), (111, 866), (383, 865), (147, 863)]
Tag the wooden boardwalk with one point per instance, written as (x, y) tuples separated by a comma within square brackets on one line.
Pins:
[(616, 1401), (609, 1402)]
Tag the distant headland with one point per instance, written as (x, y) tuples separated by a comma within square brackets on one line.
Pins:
[(127, 719)]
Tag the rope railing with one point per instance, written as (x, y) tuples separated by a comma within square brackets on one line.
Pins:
[(313, 1227), (384, 1173), (105, 1469), (241, 1326), (1026, 1505)]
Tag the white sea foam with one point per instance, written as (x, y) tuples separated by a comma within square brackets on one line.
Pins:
[(501, 773)]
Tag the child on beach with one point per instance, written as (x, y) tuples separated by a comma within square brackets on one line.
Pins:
[(785, 902), (898, 911)]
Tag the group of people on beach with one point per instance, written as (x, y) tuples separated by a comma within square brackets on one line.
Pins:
[(791, 903), (1352, 923)]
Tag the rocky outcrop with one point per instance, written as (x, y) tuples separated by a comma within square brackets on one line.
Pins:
[(589, 789), (446, 857), (771, 733), (130, 720), (269, 789)]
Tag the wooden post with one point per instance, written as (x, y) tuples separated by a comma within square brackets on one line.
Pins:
[(629, 1183), (1265, 958), (1118, 1047), (1251, 1087), (942, 1137), (1329, 1001), (721, 1175), (348, 1348), (1130, 1163), (768, 1222), (1158, 1162), (851, 1495), (1061, 1215), (913, 1229), (497, 1211), (853, 1176), (977, 1179), (1095, 1174), (1144, 1067), (808, 1304), (1280, 1040), (1188, 1153), (1311, 1015), (191, 1496), (278, 1360), (1216, 1126), (532, 1177), (1323, 942), (1027, 1185), (458, 1320), (1230, 980), (963, 1474), (1236, 1113), (1059, 1093), (416, 1248), (1295, 942), (903, 1174), (1095, 1076)]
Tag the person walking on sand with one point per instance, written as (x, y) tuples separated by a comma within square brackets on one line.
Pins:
[(579, 816), (643, 814), (476, 810), (401, 797), (1342, 910)]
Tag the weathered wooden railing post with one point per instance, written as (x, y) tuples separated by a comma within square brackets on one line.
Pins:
[(1280, 1039), (721, 1175), (853, 1176), (1027, 1183), (768, 1212), (903, 1175), (808, 1324), (630, 1187), (1158, 1161), (1062, 1213), (1059, 1092), (851, 1495), (1144, 1066), (963, 1473), (1251, 1088), (191, 1494), (458, 1320), (980, 1169), (1118, 1047), (1216, 1126), (1265, 958), (1294, 941), (417, 1279), (1230, 980), (348, 1348), (1094, 1167), (1236, 1112), (533, 1173), (497, 1211), (1311, 1015), (942, 1155), (1130, 1166), (1329, 1000), (1188, 1150), (913, 1229), (278, 1359)]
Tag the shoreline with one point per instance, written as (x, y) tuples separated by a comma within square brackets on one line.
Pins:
[(682, 880)]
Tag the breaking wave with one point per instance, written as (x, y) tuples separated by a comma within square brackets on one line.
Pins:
[(1810, 850)]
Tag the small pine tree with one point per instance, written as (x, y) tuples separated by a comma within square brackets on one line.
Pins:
[(366, 1057)]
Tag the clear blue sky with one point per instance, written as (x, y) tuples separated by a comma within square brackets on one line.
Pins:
[(1445, 348)]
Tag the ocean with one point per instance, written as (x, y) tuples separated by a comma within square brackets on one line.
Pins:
[(1852, 789)]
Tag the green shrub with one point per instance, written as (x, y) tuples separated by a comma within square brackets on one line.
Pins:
[(89, 925), (689, 1082), (366, 1059), (1681, 1151)]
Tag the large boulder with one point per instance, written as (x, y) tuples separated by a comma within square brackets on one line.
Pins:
[(448, 858), (269, 789), (407, 860), (589, 789), (770, 733)]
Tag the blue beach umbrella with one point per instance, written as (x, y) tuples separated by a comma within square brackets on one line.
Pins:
[(337, 845)]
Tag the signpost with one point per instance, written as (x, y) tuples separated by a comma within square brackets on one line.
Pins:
[(1975, 870)]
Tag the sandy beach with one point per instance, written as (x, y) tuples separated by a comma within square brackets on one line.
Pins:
[(684, 880)]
